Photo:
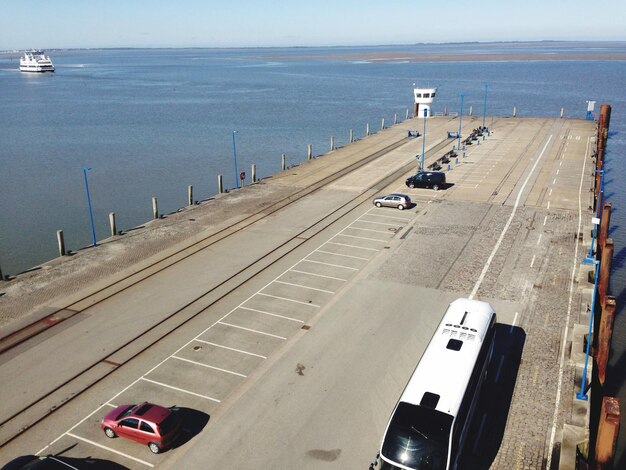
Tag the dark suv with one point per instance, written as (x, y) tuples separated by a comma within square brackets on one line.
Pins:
[(427, 179)]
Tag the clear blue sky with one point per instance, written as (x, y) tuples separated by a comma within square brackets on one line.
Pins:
[(207, 23)]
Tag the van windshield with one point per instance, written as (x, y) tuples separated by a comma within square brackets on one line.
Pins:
[(418, 437)]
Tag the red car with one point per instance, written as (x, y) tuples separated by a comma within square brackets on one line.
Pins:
[(150, 424)]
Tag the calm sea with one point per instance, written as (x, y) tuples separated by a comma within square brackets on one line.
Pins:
[(151, 122)]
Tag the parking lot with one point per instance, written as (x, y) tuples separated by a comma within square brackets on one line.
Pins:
[(203, 372)]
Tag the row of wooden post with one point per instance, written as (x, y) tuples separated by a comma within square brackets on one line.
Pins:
[(190, 201), (604, 315)]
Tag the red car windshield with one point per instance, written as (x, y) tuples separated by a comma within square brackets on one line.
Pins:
[(125, 413)]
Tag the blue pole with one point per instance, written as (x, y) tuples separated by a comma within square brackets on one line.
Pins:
[(93, 229), (595, 227), (424, 139), (582, 395), (485, 104), (235, 157), (461, 120)]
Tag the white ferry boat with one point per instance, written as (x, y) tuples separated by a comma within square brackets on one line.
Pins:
[(35, 61)]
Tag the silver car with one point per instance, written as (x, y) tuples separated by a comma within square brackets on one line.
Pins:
[(401, 201)]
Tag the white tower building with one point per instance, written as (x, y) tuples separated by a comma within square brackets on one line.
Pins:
[(423, 99)]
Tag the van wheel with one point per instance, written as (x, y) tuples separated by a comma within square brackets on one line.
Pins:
[(401, 207), (110, 433), (378, 204), (412, 185), (436, 187), (155, 449)]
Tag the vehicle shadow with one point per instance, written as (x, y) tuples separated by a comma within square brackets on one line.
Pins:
[(489, 421), (53, 461), (194, 422)]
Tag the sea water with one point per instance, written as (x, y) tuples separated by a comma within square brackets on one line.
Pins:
[(150, 122)]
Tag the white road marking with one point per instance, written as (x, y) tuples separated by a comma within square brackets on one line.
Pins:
[(328, 264), (508, 223), (361, 238), (557, 171), (271, 314), (311, 304), (304, 287), (209, 367), (180, 389), (341, 254), (231, 349), (539, 239), (372, 222), (532, 262), (548, 207), (545, 219), (318, 275), (253, 331), (110, 450), (514, 319), (351, 246), (351, 227), (386, 216), (550, 193), (569, 311), (554, 181)]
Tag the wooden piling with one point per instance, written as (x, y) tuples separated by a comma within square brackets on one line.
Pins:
[(61, 243), (253, 171), (309, 154), (367, 129), (112, 224), (406, 117), (395, 118), (220, 185), (155, 208), (471, 109), (190, 195), (351, 136), (608, 430), (562, 112), (382, 124), (605, 270), (514, 111), (605, 334), (283, 162), (332, 143)]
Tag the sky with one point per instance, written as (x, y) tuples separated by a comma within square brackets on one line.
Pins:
[(50, 24)]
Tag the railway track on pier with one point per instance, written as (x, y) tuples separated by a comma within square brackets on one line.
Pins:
[(82, 380)]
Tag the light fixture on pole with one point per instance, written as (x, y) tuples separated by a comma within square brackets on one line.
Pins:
[(235, 158), (486, 85), (93, 229), (424, 139), (461, 119)]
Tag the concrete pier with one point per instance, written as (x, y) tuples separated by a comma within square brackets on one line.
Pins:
[(293, 312)]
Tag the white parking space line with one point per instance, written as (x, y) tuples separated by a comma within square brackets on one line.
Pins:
[(554, 181), (351, 246), (305, 287), (209, 367), (329, 264), (372, 222), (272, 314), (532, 262), (253, 331), (545, 219), (319, 275), (231, 349), (341, 254), (289, 300), (386, 216), (110, 450), (539, 239), (111, 405), (548, 207), (352, 227), (180, 389), (362, 238)]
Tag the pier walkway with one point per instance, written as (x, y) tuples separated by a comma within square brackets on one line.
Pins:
[(286, 318)]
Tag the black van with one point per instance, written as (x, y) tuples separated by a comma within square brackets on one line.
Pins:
[(427, 179)]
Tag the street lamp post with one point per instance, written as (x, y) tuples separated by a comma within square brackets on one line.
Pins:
[(485, 104), (424, 140), (235, 157), (93, 229), (461, 119)]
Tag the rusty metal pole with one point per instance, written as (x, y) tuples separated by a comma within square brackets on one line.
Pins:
[(604, 337), (597, 185), (605, 220), (605, 270), (608, 430)]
